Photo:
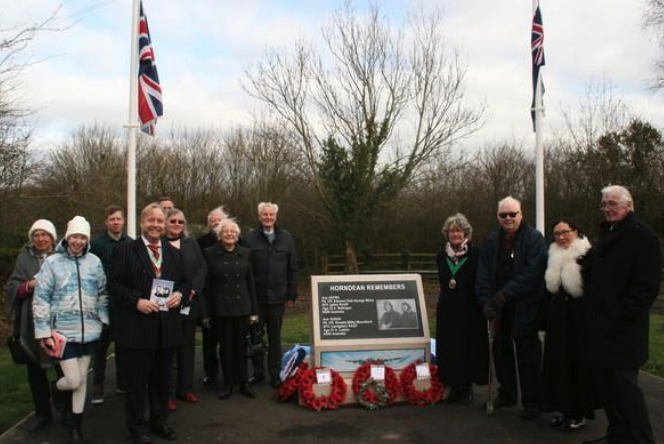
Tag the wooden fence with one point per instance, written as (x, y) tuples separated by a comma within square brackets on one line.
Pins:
[(383, 263)]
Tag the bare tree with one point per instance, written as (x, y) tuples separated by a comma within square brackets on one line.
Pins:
[(653, 19), (14, 130), (369, 112)]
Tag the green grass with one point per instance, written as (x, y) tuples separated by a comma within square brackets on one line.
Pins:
[(15, 398), (655, 364), (16, 402)]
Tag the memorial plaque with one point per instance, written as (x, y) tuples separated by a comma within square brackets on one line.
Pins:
[(365, 310), (368, 318)]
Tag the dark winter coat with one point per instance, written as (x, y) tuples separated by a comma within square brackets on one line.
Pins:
[(274, 265), (567, 385), (229, 291), (461, 332), (525, 287), (196, 270), (27, 266), (625, 282)]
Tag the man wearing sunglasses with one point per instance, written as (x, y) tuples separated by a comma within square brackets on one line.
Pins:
[(509, 284), (625, 282)]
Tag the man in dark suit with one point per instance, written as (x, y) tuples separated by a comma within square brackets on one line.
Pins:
[(146, 330), (624, 283)]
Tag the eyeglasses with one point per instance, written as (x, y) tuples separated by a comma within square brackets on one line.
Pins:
[(608, 204), (176, 221), (511, 214), (559, 234)]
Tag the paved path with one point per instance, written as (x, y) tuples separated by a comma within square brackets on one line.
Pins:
[(264, 420)]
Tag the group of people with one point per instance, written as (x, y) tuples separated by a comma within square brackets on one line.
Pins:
[(566, 328), (147, 295)]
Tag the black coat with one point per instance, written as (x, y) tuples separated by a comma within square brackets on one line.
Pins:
[(196, 269), (131, 278), (274, 265), (525, 288), (566, 382), (461, 331), (230, 290), (625, 282)]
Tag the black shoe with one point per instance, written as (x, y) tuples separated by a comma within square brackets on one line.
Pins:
[(141, 438), (39, 423), (530, 413), (225, 393), (600, 440), (453, 395), (164, 431), (246, 391), (209, 380), (76, 434), (503, 401), (256, 379), (275, 381), (466, 395)]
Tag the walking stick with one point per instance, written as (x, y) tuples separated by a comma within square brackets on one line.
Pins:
[(492, 368)]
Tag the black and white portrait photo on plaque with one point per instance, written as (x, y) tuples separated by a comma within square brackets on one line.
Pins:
[(396, 314)]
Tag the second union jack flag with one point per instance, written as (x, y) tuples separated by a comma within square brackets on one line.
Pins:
[(150, 105)]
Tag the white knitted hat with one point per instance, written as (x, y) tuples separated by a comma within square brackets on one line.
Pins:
[(78, 225), (44, 225)]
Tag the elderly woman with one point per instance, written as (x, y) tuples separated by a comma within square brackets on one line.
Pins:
[(193, 307), (231, 301), (70, 298), (20, 289), (566, 385), (461, 341)]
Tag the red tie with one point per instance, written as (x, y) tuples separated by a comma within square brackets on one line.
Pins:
[(155, 251)]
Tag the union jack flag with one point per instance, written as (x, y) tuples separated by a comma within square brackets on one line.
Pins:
[(150, 106), (537, 52)]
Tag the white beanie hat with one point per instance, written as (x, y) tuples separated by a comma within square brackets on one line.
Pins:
[(78, 225), (43, 225)]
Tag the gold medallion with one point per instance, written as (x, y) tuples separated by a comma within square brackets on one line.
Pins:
[(452, 284)]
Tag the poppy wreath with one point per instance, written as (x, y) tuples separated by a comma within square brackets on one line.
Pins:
[(290, 386), (309, 399), (429, 396), (372, 394)]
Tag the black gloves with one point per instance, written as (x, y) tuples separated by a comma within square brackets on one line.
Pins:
[(493, 308)]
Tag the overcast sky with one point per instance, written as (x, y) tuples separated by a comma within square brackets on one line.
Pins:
[(203, 46)]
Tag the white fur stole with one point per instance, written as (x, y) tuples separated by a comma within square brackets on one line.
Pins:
[(563, 268)]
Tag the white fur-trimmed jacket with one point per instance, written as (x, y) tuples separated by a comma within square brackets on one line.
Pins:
[(563, 270)]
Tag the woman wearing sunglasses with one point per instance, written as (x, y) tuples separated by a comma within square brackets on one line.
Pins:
[(193, 307)]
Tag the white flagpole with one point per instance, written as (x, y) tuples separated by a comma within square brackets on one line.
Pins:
[(132, 124), (539, 150)]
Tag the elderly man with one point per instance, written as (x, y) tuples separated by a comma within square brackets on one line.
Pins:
[(147, 327), (274, 262), (509, 284), (210, 356), (625, 282)]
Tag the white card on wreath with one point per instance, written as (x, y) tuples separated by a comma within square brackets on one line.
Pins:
[(378, 372), (422, 371), (323, 376)]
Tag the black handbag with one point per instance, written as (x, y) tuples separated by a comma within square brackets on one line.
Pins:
[(19, 356), (255, 345)]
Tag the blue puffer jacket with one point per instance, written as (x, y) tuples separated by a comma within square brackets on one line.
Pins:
[(70, 296)]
